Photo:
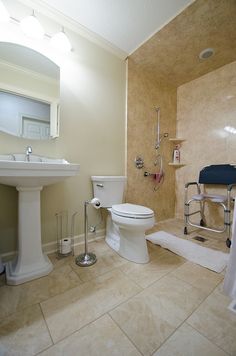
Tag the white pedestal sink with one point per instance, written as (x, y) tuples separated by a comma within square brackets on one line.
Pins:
[(29, 179)]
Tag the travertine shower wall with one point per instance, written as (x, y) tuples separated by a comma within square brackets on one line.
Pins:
[(204, 107), (143, 94)]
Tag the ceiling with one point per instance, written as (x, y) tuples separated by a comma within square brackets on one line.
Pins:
[(126, 24), (172, 53), (161, 37)]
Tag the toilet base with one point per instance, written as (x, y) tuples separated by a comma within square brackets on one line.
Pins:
[(133, 246), (128, 244)]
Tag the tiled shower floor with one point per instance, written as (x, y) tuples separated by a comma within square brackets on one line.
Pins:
[(166, 307)]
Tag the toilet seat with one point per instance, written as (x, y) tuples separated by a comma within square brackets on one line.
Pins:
[(132, 211)]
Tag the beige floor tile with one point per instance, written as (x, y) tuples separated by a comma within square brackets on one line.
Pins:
[(154, 250), (79, 306), (146, 274), (24, 333), (107, 260), (72, 297), (102, 337), (99, 247), (177, 296), (13, 298), (59, 261), (176, 226), (216, 322), (198, 276), (187, 341), (150, 317)]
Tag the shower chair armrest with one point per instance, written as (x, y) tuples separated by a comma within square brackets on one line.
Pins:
[(191, 183), (230, 186), (186, 189)]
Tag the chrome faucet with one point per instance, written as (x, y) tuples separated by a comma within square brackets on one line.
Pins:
[(29, 150)]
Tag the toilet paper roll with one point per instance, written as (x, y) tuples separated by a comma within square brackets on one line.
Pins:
[(65, 246), (95, 202)]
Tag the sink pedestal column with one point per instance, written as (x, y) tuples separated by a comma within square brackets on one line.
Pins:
[(30, 263)]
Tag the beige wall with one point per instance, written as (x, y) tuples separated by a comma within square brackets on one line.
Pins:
[(92, 133), (204, 107), (19, 80), (143, 94)]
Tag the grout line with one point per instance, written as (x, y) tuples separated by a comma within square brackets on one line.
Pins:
[(185, 320), (47, 328), (196, 310), (118, 268), (96, 276), (106, 312), (18, 309), (199, 332), (208, 293), (134, 282), (74, 332), (81, 328), (123, 332)]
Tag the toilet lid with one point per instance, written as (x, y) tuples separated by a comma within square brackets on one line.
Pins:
[(132, 211)]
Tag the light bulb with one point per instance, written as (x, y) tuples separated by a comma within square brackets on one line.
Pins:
[(31, 27), (61, 42), (230, 129), (4, 15)]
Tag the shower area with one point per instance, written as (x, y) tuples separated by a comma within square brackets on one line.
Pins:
[(150, 102)]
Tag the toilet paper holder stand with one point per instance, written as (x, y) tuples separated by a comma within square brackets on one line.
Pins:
[(65, 235)]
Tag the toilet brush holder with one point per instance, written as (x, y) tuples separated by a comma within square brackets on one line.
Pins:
[(87, 259)]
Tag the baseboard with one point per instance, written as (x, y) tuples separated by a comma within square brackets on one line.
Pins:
[(78, 240), (51, 247)]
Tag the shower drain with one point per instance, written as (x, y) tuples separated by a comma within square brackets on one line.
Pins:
[(200, 238)]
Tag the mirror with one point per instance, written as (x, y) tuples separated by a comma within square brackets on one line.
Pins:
[(29, 93)]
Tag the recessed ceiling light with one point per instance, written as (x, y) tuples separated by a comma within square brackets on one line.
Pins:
[(206, 53)]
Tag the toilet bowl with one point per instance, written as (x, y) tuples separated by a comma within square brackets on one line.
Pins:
[(132, 221), (126, 223)]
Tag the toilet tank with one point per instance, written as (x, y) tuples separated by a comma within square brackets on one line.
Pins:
[(109, 189)]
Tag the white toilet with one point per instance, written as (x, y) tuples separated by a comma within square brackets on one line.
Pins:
[(126, 223)]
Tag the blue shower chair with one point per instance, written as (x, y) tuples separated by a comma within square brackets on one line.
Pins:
[(222, 174)]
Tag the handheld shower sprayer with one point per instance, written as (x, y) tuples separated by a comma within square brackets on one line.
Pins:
[(159, 136)]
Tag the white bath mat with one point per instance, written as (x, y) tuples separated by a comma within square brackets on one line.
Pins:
[(206, 257)]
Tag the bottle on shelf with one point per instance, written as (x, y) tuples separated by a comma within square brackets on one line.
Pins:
[(176, 155)]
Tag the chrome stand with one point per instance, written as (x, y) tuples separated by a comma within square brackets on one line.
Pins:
[(86, 259)]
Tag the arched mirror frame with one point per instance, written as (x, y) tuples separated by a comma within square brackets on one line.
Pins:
[(52, 100)]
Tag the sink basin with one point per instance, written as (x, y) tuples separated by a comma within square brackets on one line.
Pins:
[(29, 177), (39, 171)]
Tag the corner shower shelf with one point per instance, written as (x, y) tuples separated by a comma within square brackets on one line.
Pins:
[(176, 165), (176, 139)]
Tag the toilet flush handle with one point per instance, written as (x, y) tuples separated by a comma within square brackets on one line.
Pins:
[(100, 185)]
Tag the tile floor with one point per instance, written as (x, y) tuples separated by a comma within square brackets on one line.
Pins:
[(164, 308)]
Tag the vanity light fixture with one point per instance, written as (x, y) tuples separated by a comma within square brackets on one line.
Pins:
[(61, 42), (31, 27), (4, 15)]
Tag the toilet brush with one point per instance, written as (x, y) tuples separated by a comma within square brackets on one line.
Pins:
[(87, 259)]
